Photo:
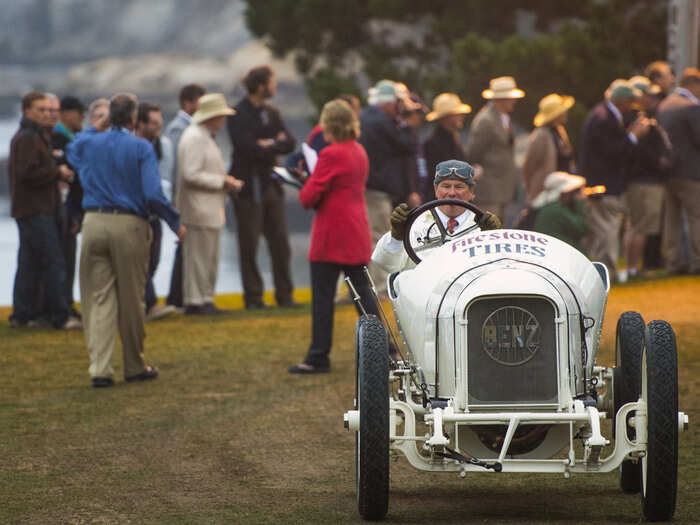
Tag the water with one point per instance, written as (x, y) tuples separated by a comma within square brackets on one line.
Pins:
[(229, 274), (8, 127)]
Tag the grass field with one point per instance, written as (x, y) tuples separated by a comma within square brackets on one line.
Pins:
[(226, 435)]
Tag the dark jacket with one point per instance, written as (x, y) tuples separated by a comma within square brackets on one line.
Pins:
[(410, 169), (605, 150), (315, 141), (387, 147), (251, 162), (652, 159), (439, 146), (33, 172), (680, 117), (74, 202)]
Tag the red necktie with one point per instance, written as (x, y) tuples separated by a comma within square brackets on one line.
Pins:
[(451, 225)]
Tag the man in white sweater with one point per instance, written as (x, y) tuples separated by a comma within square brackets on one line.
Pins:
[(202, 185)]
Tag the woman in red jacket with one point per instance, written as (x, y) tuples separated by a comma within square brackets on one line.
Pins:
[(340, 234)]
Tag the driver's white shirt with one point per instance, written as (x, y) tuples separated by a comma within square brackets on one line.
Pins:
[(389, 253)]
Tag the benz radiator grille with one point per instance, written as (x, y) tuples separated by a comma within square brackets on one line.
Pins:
[(511, 352)]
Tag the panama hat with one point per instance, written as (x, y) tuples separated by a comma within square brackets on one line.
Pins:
[(555, 184), (411, 101), (551, 107), (644, 85), (502, 87), (447, 104), (210, 106)]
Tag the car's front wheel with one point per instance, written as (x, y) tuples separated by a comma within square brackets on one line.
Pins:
[(372, 440)]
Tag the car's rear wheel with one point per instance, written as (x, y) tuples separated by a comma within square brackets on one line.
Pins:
[(629, 341), (659, 465), (372, 440)]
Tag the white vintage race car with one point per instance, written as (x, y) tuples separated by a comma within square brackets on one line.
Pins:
[(498, 370)]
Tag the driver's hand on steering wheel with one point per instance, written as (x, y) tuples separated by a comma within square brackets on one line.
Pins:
[(398, 220), (489, 221)]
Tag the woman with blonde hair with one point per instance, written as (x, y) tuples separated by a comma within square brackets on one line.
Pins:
[(340, 234)]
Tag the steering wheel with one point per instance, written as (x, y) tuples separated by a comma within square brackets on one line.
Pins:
[(436, 235)]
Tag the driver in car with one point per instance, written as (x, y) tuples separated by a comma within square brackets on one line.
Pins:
[(454, 179)]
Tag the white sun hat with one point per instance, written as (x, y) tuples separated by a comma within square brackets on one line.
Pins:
[(555, 184)]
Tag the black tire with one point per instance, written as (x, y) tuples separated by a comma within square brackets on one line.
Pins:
[(627, 380), (372, 440), (660, 391)]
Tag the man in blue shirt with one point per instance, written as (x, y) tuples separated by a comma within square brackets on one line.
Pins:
[(121, 188)]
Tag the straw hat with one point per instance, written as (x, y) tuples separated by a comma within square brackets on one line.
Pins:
[(502, 87), (210, 106), (555, 184), (411, 101), (447, 104), (551, 107), (401, 90)]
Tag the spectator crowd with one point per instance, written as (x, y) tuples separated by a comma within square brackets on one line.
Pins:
[(628, 197)]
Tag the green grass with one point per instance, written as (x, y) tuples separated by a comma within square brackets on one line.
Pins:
[(226, 435)]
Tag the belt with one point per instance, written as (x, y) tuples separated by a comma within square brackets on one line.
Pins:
[(116, 210)]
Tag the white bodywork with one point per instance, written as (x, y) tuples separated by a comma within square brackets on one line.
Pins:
[(495, 263), (432, 307)]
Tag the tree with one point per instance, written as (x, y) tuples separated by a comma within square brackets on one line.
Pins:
[(576, 48)]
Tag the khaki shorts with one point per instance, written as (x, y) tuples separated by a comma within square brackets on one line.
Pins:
[(643, 204)]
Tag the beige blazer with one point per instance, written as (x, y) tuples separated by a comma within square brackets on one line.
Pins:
[(540, 160), (489, 145), (200, 196)]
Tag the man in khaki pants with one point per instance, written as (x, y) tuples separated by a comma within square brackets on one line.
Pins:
[(202, 186), (121, 187)]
